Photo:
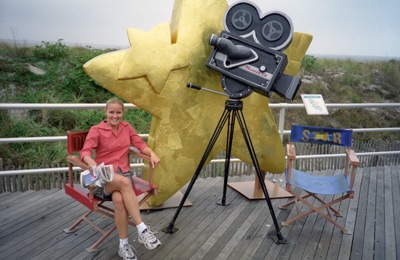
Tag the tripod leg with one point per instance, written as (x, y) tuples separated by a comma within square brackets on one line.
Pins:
[(250, 147), (229, 139), (224, 117)]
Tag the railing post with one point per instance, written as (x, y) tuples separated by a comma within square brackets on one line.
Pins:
[(281, 123)]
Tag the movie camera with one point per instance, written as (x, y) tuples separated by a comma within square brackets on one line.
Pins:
[(248, 53)]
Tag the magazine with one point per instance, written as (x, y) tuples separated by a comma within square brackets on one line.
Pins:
[(101, 175)]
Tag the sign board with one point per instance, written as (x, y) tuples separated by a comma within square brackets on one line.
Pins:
[(314, 104)]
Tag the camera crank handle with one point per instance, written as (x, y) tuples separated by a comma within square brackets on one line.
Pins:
[(190, 85)]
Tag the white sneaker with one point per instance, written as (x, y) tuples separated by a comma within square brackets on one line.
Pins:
[(126, 252), (148, 239)]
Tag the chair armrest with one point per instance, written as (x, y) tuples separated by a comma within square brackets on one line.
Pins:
[(354, 162), (77, 162), (290, 151), (352, 157), (291, 156)]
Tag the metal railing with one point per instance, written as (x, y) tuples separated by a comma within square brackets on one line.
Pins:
[(282, 107)]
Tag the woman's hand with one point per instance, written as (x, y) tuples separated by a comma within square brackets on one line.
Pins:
[(90, 162), (154, 160)]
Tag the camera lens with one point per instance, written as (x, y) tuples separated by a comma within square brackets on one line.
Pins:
[(214, 40)]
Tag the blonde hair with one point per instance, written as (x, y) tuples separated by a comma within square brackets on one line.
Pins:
[(115, 100)]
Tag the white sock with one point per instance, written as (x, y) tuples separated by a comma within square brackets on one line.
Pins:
[(140, 227), (123, 242)]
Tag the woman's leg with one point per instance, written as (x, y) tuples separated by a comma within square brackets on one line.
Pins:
[(120, 215), (121, 222), (123, 185)]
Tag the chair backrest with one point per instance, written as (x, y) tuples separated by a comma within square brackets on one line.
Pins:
[(75, 141), (321, 135)]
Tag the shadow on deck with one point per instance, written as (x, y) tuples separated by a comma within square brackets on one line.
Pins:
[(32, 223)]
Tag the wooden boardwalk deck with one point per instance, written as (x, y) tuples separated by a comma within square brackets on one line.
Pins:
[(32, 223)]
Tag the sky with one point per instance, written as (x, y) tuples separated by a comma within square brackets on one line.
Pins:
[(339, 27)]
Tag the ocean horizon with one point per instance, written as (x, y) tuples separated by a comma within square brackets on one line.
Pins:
[(30, 43)]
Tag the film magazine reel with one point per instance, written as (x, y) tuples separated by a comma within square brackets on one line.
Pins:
[(248, 52), (274, 30)]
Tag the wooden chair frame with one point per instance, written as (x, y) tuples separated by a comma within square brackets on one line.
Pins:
[(144, 189), (349, 171)]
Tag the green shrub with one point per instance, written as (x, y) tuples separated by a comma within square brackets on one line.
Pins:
[(309, 63), (51, 51)]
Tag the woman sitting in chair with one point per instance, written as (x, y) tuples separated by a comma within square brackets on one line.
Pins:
[(111, 139)]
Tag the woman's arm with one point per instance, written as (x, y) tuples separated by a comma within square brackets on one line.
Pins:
[(154, 160), (137, 142), (89, 145), (89, 161)]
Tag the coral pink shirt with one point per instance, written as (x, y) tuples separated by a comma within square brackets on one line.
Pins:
[(110, 148)]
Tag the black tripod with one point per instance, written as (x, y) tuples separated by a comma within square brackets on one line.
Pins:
[(233, 111)]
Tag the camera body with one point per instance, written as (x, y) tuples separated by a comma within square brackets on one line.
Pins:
[(249, 59)]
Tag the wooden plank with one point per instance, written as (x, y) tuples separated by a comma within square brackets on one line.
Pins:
[(368, 249), (311, 248), (13, 224), (209, 207), (290, 232), (12, 198), (327, 241), (242, 230), (345, 247), (380, 215), (187, 216), (322, 251), (64, 245), (257, 228), (45, 241), (336, 233), (21, 203), (309, 241), (211, 247), (203, 229), (395, 170), (6, 193), (218, 188), (389, 242), (264, 231), (24, 244), (359, 229), (261, 229), (19, 224), (109, 249), (235, 234), (60, 244), (197, 226)]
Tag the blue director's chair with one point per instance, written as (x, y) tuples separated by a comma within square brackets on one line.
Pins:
[(313, 185)]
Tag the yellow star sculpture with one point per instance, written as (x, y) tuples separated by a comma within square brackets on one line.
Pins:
[(153, 73)]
